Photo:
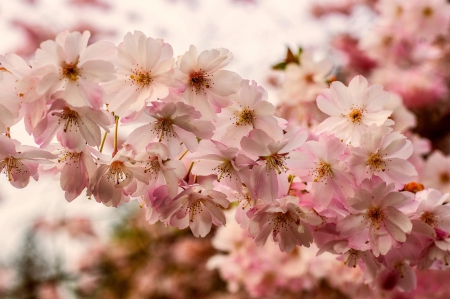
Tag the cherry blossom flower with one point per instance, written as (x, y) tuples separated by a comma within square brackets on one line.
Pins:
[(144, 74), (213, 157), (70, 65), (207, 85), (195, 207), (9, 101), (285, 220), (160, 168), (20, 79), (76, 170), (171, 124), (73, 126), (320, 162), (304, 81), (250, 110), (382, 154), (20, 162), (269, 175), (352, 256), (113, 175), (378, 212), (436, 172), (353, 109), (432, 211)]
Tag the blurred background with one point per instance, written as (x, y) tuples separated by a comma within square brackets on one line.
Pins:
[(54, 249)]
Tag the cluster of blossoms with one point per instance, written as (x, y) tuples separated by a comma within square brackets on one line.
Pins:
[(202, 138)]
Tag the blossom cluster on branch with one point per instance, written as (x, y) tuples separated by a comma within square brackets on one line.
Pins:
[(203, 138)]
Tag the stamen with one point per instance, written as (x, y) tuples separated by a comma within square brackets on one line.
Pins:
[(322, 171), (116, 172), (70, 71), (375, 216), (245, 117), (376, 162)]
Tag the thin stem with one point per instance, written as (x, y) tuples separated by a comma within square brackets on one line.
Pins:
[(184, 154), (291, 180), (103, 141), (8, 132), (186, 177), (116, 131)]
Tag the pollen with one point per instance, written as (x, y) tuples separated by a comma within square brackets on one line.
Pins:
[(352, 258), (69, 117), (116, 172), (164, 129), (224, 170), (376, 162), (141, 78), (322, 171), (375, 216), (277, 162), (70, 157), (152, 166), (245, 117), (356, 115), (71, 71), (309, 78), (199, 80), (10, 164), (444, 178), (283, 221), (428, 218)]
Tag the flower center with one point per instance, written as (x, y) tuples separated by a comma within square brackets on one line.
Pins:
[(199, 80), (225, 170), (71, 71), (376, 162), (152, 165), (355, 115), (323, 170), (352, 258), (444, 178), (375, 216), (281, 221), (309, 78), (245, 117), (428, 218), (116, 172), (427, 12), (277, 162), (9, 164), (141, 78), (70, 117), (70, 157), (164, 128)]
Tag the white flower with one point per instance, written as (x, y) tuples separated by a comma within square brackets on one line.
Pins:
[(353, 109)]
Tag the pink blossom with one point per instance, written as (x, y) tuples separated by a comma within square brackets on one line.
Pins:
[(352, 109), (213, 157), (70, 65), (436, 172), (144, 74), (384, 155), (250, 110), (320, 163), (73, 126), (195, 207), (113, 175), (269, 175), (20, 162), (9, 101), (285, 220), (171, 124), (378, 212), (76, 170), (304, 81), (160, 168), (207, 85)]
